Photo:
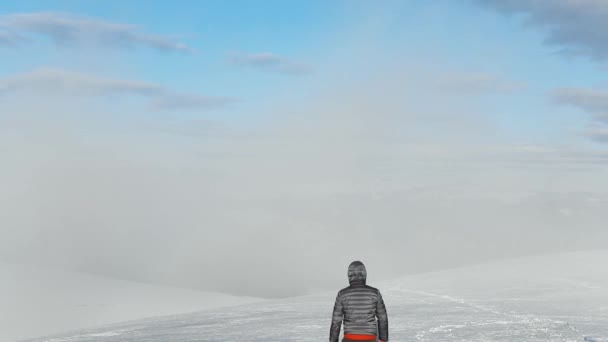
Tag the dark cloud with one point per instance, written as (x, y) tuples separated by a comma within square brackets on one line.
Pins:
[(578, 27), (58, 81), (66, 29), (269, 62)]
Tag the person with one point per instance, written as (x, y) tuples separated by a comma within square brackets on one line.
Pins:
[(361, 308)]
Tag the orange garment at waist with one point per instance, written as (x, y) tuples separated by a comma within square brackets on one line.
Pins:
[(358, 337)]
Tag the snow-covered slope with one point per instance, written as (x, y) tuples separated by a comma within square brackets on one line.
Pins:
[(35, 301), (548, 298)]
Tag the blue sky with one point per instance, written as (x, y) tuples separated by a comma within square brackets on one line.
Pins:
[(453, 37), (224, 119), (213, 29)]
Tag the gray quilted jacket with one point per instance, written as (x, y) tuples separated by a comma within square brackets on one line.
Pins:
[(360, 307)]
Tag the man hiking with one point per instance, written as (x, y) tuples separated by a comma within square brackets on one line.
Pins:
[(358, 306)]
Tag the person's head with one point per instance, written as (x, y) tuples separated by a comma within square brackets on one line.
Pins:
[(357, 274)]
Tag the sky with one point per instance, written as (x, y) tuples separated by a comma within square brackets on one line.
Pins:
[(258, 148)]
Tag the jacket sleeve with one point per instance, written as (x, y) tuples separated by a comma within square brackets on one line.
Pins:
[(336, 319), (382, 319)]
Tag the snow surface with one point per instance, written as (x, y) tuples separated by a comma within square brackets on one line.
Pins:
[(547, 298), (36, 301)]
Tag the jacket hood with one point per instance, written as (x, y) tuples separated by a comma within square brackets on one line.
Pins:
[(357, 274)]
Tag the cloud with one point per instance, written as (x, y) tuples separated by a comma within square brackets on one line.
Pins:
[(58, 80), (579, 27), (12, 39), (64, 82), (67, 29), (594, 101), (269, 62), (548, 155), (598, 134), (358, 162), (478, 82), (368, 157), (190, 101)]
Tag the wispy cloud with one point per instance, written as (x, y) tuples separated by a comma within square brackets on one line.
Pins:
[(269, 62), (169, 100), (594, 101), (579, 27), (9, 38), (599, 134), (67, 29), (478, 82), (58, 81), (527, 154)]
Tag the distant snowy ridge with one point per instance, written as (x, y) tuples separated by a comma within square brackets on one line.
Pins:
[(556, 298), (41, 301)]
